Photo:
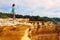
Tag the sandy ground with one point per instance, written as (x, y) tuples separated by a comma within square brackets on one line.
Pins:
[(25, 37)]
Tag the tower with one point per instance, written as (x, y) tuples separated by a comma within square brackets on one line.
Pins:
[(13, 11)]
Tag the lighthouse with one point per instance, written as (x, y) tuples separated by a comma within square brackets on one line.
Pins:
[(13, 11)]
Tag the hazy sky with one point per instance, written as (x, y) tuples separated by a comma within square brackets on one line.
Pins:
[(50, 8)]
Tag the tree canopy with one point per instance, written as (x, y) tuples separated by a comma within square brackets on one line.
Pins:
[(32, 18)]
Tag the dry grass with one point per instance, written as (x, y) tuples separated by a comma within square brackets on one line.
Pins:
[(48, 32), (12, 33)]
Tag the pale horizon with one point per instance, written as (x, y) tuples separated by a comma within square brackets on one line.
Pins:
[(49, 8)]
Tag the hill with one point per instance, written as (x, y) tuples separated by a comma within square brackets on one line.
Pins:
[(32, 18)]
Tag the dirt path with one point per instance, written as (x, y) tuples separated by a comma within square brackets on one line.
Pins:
[(25, 37)]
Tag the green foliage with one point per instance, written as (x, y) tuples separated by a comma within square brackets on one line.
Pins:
[(32, 18)]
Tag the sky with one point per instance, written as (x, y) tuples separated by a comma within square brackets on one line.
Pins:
[(49, 8)]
